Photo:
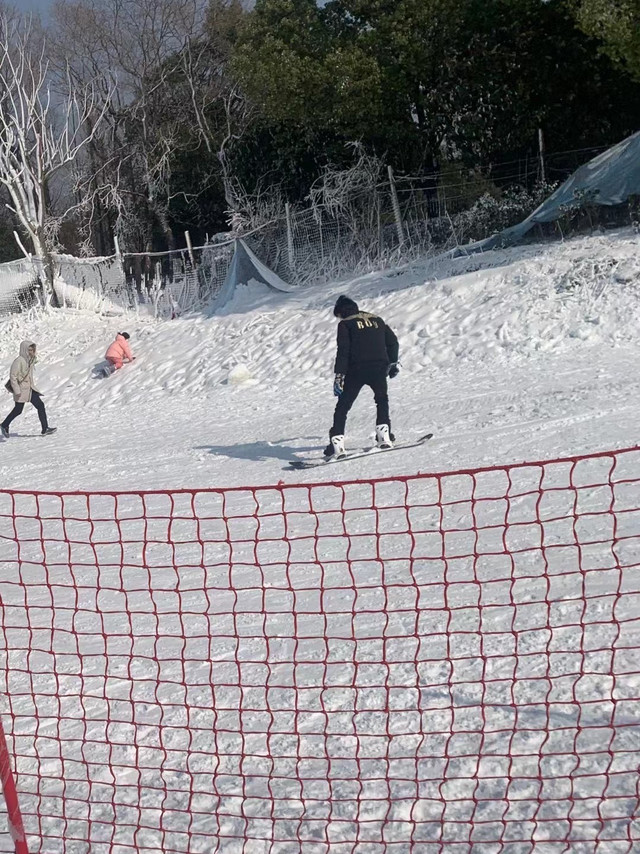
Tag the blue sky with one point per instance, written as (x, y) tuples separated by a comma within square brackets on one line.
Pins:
[(43, 5), (35, 5)]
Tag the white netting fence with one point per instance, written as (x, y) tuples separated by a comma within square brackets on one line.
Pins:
[(163, 284), (347, 231), (92, 283), (19, 286)]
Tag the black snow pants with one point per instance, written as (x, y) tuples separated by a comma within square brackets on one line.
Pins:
[(373, 375), (37, 401)]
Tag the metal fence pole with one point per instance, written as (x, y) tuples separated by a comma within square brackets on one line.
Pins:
[(396, 208), (187, 237), (290, 247), (543, 165)]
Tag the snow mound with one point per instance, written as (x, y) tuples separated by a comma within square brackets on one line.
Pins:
[(240, 374)]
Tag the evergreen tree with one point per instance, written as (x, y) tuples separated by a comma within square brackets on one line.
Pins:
[(617, 24)]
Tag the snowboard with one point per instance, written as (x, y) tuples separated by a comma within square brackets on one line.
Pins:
[(354, 455)]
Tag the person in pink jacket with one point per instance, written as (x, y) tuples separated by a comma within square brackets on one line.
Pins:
[(119, 350)]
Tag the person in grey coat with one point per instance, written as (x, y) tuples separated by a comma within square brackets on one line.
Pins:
[(21, 384)]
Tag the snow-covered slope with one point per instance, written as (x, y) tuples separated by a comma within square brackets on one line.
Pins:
[(520, 354)]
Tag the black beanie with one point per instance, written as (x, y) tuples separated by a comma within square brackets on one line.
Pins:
[(345, 307), (125, 335)]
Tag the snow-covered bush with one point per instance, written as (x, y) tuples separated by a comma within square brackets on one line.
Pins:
[(493, 213)]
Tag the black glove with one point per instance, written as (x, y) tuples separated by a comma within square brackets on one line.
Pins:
[(393, 371), (338, 384)]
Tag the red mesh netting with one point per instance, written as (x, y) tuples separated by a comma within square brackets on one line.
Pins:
[(436, 664)]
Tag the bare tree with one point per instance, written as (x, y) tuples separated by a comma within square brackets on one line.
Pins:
[(171, 88), (38, 137), (124, 174), (352, 195)]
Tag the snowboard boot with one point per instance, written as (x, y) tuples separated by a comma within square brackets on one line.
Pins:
[(4, 430), (384, 438), (335, 449), (49, 431)]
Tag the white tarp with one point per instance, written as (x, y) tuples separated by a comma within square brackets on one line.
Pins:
[(247, 269), (609, 179)]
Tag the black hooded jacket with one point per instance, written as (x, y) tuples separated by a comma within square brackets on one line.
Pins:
[(364, 340)]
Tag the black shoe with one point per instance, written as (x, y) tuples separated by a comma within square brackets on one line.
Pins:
[(49, 431), (4, 430), (329, 451)]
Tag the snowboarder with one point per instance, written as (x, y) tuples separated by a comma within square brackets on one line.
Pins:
[(367, 355), (21, 385), (119, 350)]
